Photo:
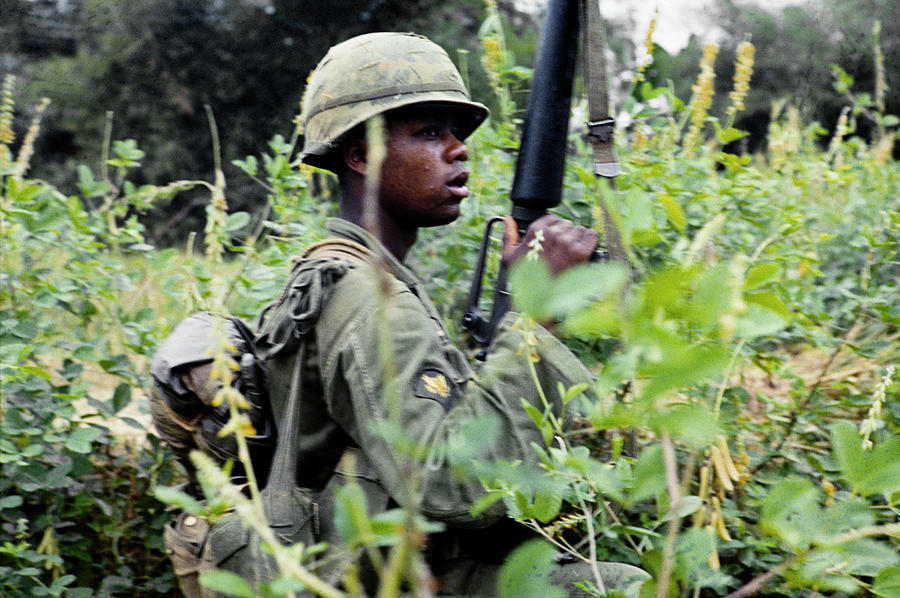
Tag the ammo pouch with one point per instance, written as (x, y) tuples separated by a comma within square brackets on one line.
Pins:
[(195, 546)]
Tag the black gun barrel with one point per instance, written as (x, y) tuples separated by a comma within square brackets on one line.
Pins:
[(537, 184)]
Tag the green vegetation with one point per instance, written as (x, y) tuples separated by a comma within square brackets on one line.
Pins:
[(743, 431)]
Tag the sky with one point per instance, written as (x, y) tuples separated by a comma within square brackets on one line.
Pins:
[(677, 19)]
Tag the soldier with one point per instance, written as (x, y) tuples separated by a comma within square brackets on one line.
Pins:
[(375, 349)]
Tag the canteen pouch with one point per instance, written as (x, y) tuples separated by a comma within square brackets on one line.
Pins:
[(185, 537)]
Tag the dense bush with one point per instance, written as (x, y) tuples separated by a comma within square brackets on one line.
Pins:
[(742, 431)]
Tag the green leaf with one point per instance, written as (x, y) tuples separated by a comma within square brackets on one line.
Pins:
[(693, 424), (539, 421), (770, 301), (351, 516), (36, 371), (182, 500), (869, 472), (682, 367), (692, 552), (726, 136), (649, 474), (887, 583), (249, 166), (121, 397), (485, 502), (547, 503), (758, 321), (227, 583), (762, 275), (866, 557), (531, 284), (603, 477), (89, 187), (81, 438), (673, 211), (10, 502), (579, 286), (791, 512), (237, 221), (127, 152), (526, 573)]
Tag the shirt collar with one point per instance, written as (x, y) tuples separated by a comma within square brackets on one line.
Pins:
[(353, 232)]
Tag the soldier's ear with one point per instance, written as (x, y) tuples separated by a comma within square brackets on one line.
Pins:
[(354, 154)]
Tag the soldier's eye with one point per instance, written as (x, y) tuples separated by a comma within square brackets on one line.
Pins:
[(431, 131)]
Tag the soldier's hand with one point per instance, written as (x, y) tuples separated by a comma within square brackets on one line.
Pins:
[(560, 243)]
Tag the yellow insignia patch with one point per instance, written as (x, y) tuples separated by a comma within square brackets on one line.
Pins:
[(436, 384)]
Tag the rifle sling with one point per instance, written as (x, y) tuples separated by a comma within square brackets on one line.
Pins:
[(601, 124)]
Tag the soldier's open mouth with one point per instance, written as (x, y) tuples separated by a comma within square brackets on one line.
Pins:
[(457, 185)]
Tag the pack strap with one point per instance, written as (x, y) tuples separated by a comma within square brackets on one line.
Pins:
[(284, 462), (601, 124), (338, 248)]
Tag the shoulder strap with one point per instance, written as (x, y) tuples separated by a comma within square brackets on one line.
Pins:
[(600, 124), (284, 461), (338, 248)]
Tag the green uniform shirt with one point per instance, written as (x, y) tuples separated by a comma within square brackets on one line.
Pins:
[(378, 351)]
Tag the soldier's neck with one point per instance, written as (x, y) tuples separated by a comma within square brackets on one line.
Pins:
[(396, 237)]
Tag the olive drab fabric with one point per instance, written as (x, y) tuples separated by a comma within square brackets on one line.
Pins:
[(181, 393), (370, 74), (377, 346), (181, 396)]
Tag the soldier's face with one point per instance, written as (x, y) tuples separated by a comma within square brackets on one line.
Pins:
[(423, 177)]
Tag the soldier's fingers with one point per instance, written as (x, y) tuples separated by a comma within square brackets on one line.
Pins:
[(510, 234), (511, 242)]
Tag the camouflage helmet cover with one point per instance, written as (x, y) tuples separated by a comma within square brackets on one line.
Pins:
[(371, 74)]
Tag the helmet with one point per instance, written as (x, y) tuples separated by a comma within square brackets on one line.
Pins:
[(370, 74)]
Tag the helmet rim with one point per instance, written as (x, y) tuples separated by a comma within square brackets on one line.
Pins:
[(392, 70)]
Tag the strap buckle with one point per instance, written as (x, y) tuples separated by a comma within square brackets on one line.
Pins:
[(601, 129)]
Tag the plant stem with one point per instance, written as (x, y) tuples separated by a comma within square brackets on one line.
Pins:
[(758, 582), (675, 522), (592, 546), (891, 529), (724, 385)]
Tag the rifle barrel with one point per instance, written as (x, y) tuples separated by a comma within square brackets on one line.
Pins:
[(537, 184)]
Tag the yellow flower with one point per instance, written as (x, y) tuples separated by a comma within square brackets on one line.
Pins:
[(645, 61), (743, 70), (840, 131), (703, 91), (7, 135), (27, 149), (884, 149), (881, 86)]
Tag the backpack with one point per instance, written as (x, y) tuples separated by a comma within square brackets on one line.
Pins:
[(181, 396)]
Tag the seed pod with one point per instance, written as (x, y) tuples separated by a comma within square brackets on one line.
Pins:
[(714, 559), (719, 520), (828, 488), (700, 516), (721, 469), (703, 491), (733, 473)]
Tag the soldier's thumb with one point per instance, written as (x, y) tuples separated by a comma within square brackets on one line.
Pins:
[(511, 238)]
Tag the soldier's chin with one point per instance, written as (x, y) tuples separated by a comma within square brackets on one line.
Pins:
[(451, 215)]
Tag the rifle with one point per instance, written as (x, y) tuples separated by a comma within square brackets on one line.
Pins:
[(538, 178)]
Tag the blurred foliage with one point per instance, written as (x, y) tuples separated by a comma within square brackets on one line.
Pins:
[(154, 65), (743, 427), (798, 47)]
